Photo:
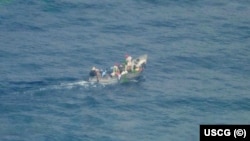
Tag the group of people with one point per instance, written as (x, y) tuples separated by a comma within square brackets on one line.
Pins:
[(115, 71)]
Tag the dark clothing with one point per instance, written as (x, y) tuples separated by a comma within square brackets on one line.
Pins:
[(92, 73), (121, 68)]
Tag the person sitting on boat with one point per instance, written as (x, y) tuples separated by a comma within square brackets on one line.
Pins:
[(116, 71), (104, 72), (122, 70), (137, 68), (110, 71)]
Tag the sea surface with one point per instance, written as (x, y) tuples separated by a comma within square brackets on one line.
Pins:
[(198, 69)]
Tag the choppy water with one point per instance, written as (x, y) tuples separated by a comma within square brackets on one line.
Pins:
[(197, 73)]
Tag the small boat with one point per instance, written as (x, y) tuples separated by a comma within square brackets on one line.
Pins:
[(139, 63)]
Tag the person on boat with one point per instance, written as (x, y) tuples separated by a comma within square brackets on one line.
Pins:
[(103, 72), (122, 70), (116, 71), (137, 68), (110, 71), (128, 63), (94, 72)]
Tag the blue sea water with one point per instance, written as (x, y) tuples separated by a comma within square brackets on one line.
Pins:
[(198, 69)]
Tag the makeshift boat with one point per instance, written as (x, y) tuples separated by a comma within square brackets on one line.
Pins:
[(138, 66)]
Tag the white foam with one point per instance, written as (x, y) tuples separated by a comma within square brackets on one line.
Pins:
[(75, 84)]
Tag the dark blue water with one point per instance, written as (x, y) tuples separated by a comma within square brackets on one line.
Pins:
[(198, 69)]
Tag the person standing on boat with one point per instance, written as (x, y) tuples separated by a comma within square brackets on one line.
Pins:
[(94, 72), (128, 63)]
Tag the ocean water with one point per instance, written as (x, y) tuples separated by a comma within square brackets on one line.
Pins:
[(198, 69)]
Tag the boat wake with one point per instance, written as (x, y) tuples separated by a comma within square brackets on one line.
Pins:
[(72, 85), (83, 84), (61, 85), (41, 86)]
